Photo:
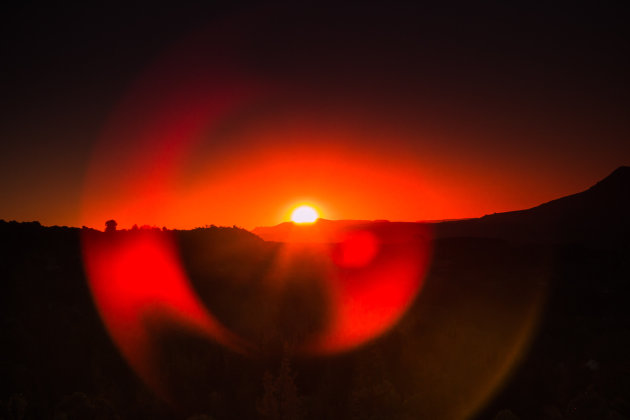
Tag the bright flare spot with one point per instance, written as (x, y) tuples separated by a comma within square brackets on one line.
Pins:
[(304, 214)]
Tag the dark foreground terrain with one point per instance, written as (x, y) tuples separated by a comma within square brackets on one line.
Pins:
[(523, 315)]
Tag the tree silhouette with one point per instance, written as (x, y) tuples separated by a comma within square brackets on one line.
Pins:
[(110, 225), (290, 401), (268, 404), (281, 399)]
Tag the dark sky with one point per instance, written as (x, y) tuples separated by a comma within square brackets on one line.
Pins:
[(65, 67), (502, 106)]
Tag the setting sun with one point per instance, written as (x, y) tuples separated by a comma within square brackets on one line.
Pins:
[(304, 214)]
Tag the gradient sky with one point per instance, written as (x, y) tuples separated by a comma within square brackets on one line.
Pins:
[(230, 114)]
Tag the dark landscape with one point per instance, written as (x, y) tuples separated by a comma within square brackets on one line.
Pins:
[(344, 210), (523, 315)]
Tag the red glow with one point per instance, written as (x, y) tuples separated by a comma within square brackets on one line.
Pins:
[(357, 249), (136, 279), (193, 144), (138, 283), (379, 273)]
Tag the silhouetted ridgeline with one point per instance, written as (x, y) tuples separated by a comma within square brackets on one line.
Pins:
[(598, 215), (559, 271)]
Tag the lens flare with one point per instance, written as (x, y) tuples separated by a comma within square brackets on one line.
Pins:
[(208, 136)]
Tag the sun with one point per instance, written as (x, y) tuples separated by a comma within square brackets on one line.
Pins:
[(304, 214)]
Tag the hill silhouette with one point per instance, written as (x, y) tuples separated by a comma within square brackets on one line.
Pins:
[(330, 231), (600, 214)]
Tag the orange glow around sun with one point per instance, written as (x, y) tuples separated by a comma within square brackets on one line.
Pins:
[(304, 214)]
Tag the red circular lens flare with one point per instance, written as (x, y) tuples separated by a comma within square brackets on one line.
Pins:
[(142, 173), (209, 135)]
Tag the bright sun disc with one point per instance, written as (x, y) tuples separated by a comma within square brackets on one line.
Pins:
[(304, 214)]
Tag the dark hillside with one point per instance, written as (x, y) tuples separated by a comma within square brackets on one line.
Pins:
[(598, 216), (530, 304)]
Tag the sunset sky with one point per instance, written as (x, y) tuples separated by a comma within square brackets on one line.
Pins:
[(183, 116)]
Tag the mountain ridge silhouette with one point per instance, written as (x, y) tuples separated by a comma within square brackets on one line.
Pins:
[(599, 213)]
